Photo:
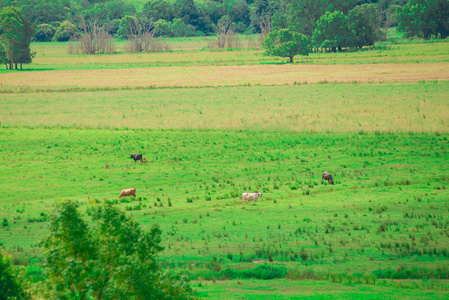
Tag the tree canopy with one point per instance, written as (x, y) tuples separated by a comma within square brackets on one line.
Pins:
[(287, 43), (11, 287), (424, 18), (332, 31), (110, 259), (16, 33)]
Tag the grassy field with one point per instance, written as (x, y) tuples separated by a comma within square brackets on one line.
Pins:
[(387, 107), (194, 51), (211, 133)]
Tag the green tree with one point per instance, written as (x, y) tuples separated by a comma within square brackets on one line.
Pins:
[(191, 14), (163, 28), (305, 13), (44, 33), (333, 31), (261, 13), (156, 10), (287, 43), (177, 27), (111, 259), (24, 55), (3, 60), (364, 24), (11, 287), (15, 35), (66, 31), (424, 18)]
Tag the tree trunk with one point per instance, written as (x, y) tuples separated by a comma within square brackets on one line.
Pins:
[(20, 66), (11, 61), (15, 65), (291, 59), (339, 48)]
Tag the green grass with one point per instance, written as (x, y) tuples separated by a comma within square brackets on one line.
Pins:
[(351, 108), (382, 231), (194, 51), (388, 208), (256, 289)]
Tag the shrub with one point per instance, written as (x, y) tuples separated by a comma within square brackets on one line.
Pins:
[(11, 286), (44, 33), (113, 258), (65, 32)]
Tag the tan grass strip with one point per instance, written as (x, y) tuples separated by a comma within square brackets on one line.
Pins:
[(201, 76)]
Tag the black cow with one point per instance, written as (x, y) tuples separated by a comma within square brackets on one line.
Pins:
[(136, 157), (328, 177)]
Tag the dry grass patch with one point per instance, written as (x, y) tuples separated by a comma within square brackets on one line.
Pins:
[(201, 76), (341, 107)]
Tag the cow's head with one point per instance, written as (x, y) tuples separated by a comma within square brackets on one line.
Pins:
[(259, 194)]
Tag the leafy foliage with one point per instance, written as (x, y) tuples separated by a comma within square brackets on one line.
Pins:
[(15, 36), (44, 33), (287, 43), (364, 24), (11, 287), (332, 31), (112, 259), (66, 31), (424, 18)]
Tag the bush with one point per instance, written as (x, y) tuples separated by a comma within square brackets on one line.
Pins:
[(112, 258), (11, 287), (65, 32), (44, 33)]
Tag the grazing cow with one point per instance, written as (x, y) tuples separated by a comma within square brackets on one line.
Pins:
[(128, 192), (144, 160), (251, 196), (328, 177), (136, 157)]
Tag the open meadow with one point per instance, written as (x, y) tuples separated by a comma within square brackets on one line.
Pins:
[(215, 124)]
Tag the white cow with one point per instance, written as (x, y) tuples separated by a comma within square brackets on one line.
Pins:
[(251, 196)]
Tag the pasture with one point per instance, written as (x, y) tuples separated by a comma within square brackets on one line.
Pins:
[(382, 230)]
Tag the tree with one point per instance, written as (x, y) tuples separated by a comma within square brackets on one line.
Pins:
[(223, 28), (156, 10), (111, 259), (65, 32), (4, 60), (191, 14), (287, 43), (44, 33), (262, 12), (332, 31), (138, 31), (424, 18), (11, 287), (15, 35), (364, 24), (305, 13), (25, 56), (95, 40)]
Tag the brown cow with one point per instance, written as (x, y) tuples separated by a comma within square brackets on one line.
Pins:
[(328, 177), (144, 160), (128, 192)]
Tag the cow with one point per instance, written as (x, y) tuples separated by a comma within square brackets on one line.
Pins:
[(144, 160), (328, 177), (128, 192), (136, 157), (251, 196)]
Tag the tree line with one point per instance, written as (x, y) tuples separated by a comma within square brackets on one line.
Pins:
[(52, 18), (329, 24)]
